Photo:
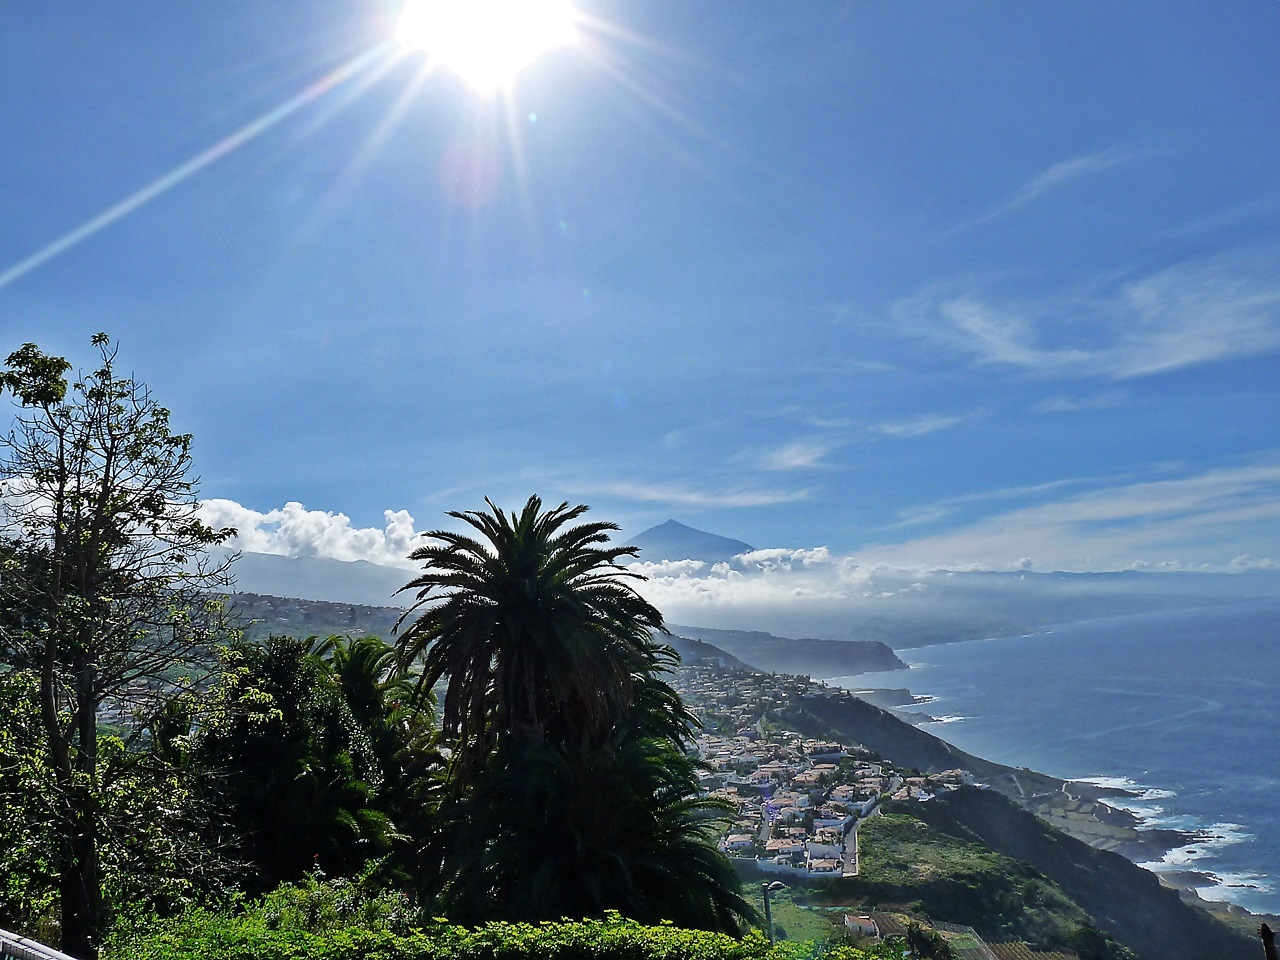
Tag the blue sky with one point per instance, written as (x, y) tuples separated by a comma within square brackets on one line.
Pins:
[(921, 283)]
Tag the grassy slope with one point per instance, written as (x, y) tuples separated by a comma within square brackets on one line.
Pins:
[(906, 862)]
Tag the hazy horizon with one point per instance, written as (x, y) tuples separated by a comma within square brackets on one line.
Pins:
[(829, 597)]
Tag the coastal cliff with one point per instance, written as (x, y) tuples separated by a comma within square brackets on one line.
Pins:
[(695, 651), (880, 730), (1074, 808), (1123, 899)]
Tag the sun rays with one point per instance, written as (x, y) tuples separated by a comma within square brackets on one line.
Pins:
[(484, 43)]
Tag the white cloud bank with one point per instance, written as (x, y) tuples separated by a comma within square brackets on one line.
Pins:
[(1221, 519), (295, 531), (1225, 520)]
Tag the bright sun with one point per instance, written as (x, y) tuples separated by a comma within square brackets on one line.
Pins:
[(485, 42)]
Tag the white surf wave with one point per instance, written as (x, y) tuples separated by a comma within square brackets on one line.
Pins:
[(1228, 886), (1198, 855)]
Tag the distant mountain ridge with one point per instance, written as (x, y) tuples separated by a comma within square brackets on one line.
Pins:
[(676, 541), (320, 578), (958, 605), (815, 658)]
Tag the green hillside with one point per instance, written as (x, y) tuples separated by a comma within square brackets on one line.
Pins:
[(907, 863)]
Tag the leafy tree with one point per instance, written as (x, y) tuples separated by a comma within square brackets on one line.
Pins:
[(153, 858), (571, 792), (28, 878), (297, 771), (102, 579), (927, 943), (404, 740)]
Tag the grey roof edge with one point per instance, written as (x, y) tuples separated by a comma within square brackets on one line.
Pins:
[(24, 948)]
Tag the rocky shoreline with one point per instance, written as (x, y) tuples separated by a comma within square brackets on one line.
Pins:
[(1084, 813), (1077, 807), (1080, 809)]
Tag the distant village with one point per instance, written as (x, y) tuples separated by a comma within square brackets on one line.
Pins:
[(799, 800)]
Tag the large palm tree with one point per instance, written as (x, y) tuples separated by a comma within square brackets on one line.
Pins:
[(570, 791), (535, 623), (575, 830)]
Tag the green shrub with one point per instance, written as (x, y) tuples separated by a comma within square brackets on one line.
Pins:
[(333, 922)]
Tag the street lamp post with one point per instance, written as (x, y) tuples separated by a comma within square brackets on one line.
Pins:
[(768, 914)]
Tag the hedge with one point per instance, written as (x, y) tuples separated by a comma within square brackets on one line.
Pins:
[(218, 937)]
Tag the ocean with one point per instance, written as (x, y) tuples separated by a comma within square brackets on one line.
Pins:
[(1181, 708)]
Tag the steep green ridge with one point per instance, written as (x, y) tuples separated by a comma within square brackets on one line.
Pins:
[(1123, 899), (907, 863), (691, 651), (881, 731)]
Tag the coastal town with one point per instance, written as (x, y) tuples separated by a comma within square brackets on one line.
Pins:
[(799, 800)]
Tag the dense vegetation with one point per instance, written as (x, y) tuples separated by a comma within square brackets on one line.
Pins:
[(153, 761), (342, 920), (350, 920)]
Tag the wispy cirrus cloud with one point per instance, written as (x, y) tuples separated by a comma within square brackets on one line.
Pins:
[(1067, 171), (940, 509), (1056, 177), (800, 455), (1203, 518), (1192, 313), (1105, 400), (663, 493), (918, 426)]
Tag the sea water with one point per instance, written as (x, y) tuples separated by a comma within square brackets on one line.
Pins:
[(1183, 709)]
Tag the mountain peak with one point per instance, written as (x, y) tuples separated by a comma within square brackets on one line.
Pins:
[(673, 525), (674, 540)]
